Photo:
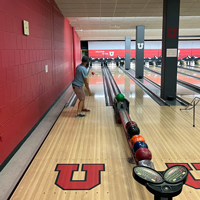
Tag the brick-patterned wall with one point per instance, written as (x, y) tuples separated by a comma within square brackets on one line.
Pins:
[(26, 90)]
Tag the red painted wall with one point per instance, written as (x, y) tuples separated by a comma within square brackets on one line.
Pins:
[(26, 90)]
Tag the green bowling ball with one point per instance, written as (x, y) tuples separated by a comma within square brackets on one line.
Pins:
[(120, 97)]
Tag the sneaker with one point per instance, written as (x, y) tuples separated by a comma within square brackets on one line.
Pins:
[(85, 110), (80, 115)]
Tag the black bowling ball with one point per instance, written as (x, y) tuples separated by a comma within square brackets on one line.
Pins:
[(133, 130)]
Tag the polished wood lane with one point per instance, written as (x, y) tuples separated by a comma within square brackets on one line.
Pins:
[(97, 139)]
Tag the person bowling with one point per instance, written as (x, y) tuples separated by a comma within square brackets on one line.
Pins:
[(79, 80)]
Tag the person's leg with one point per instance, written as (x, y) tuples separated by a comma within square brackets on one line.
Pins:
[(80, 107), (78, 93), (83, 105), (84, 109)]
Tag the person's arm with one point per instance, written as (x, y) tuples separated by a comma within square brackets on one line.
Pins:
[(87, 86)]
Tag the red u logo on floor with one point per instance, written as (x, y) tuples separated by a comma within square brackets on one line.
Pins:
[(92, 176)]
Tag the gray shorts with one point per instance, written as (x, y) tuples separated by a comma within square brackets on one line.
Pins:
[(79, 92)]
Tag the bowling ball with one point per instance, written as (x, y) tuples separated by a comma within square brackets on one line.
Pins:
[(93, 73), (136, 138), (129, 123), (120, 97), (143, 154), (138, 145), (133, 130)]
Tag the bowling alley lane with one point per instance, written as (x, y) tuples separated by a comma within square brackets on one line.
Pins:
[(96, 86), (192, 73), (149, 114), (183, 92), (185, 70), (97, 139), (93, 140), (128, 87), (185, 78)]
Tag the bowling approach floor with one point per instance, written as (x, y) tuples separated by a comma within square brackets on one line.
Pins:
[(97, 139), (182, 91)]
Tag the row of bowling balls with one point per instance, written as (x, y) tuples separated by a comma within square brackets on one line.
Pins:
[(138, 145)]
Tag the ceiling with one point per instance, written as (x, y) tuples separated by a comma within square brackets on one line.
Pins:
[(116, 19)]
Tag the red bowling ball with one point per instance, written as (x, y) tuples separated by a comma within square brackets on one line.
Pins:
[(143, 154)]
